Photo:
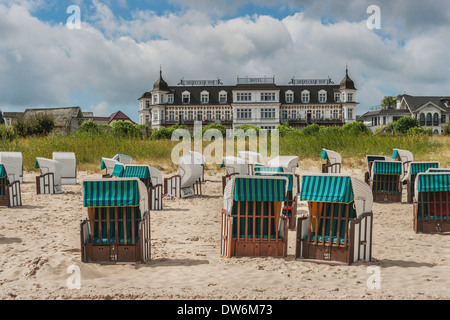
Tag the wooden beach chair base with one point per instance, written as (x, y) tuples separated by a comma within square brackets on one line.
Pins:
[(11, 195), (45, 184), (432, 213), (155, 197), (172, 186)]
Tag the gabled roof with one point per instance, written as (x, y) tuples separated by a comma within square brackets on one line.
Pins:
[(416, 102), (61, 116), (385, 112), (118, 115)]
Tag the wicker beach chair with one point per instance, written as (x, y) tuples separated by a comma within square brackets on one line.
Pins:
[(385, 181), (68, 166), (10, 193), (199, 158), (187, 182), (233, 166), (150, 176), (123, 158), (416, 167), (49, 181), (108, 164), (432, 202), (370, 160), (405, 156), (288, 163), (253, 159), (253, 223), (333, 164), (338, 228), (290, 205), (117, 226), (13, 164)]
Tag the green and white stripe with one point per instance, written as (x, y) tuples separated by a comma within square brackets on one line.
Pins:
[(111, 193), (260, 189), (326, 188), (387, 167)]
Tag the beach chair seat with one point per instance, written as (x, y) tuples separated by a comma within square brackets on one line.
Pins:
[(385, 181), (117, 226), (187, 182), (338, 227), (10, 193), (68, 167), (290, 205), (253, 223), (431, 203), (49, 181), (13, 163), (370, 160), (333, 163), (150, 176), (416, 167)]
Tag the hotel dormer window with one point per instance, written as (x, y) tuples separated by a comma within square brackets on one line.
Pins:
[(322, 96), (186, 96), (289, 96), (337, 97), (222, 96), (204, 96), (305, 96)]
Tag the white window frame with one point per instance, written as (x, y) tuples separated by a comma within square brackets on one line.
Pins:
[(184, 95), (204, 97), (223, 97), (337, 97), (171, 115), (306, 96), (244, 96), (218, 115), (268, 96), (170, 98), (244, 113), (289, 96), (227, 115), (268, 113), (322, 96)]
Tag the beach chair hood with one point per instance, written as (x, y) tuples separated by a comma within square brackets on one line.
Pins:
[(235, 165), (337, 188), (431, 182), (50, 165), (288, 163), (251, 157), (189, 171), (119, 192), (108, 164), (123, 158), (420, 166), (68, 163), (386, 167), (331, 156), (13, 165)]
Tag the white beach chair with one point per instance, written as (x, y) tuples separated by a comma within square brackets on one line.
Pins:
[(288, 163), (68, 166), (334, 161), (187, 182), (13, 164), (49, 181)]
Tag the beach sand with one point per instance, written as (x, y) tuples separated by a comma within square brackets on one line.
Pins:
[(41, 240)]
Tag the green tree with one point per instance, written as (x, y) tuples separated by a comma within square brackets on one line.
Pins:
[(286, 130), (389, 101), (217, 126), (446, 129), (356, 128), (311, 129), (89, 126), (403, 124)]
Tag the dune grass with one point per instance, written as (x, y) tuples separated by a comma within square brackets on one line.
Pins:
[(90, 149)]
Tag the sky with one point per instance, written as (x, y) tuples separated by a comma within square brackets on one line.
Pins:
[(115, 55)]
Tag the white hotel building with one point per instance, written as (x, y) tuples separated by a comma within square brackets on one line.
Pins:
[(255, 101)]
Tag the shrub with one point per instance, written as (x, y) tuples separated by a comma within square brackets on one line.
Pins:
[(356, 128), (165, 133), (446, 129), (7, 133), (286, 130), (89, 127), (122, 128), (403, 124), (419, 130), (41, 125), (217, 126), (311, 129)]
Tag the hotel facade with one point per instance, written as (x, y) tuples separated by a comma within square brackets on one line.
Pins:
[(255, 101)]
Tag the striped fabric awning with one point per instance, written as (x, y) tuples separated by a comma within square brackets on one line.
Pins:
[(373, 158), (111, 193), (141, 172), (327, 188), (268, 169), (417, 167), (118, 170), (290, 176), (438, 170), (2, 171), (434, 182), (260, 189), (387, 167)]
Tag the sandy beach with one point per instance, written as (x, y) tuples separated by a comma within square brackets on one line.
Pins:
[(41, 240)]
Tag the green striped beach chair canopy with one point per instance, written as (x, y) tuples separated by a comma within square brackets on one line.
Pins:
[(331, 156), (422, 166), (140, 171), (255, 188), (292, 185), (387, 167), (432, 182), (288, 163), (119, 192), (337, 188), (438, 170)]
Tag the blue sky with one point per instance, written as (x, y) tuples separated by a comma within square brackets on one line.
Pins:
[(115, 56)]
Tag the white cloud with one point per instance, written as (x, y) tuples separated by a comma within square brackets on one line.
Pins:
[(100, 110)]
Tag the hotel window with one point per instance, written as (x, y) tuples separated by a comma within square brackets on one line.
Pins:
[(350, 97), (182, 115), (384, 119), (305, 96), (227, 115), (200, 115), (155, 99), (267, 96), (205, 97), (171, 115), (335, 114), (246, 96), (186, 96), (218, 115), (294, 114), (289, 97), (191, 115), (322, 96), (147, 104), (267, 113), (284, 115), (208, 115), (222, 97), (443, 118), (244, 113), (337, 97), (268, 128), (170, 98), (147, 118), (318, 114), (350, 113)]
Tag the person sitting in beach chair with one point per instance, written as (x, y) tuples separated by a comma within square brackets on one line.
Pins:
[(108, 164), (253, 223), (10, 194), (385, 181), (338, 227), (150, 176), (416, 167), (187, 182), (13, 164), (333, 164), (405, 157), (117, 226), (49, 181), (68, 166), (370, 160), (290, 206), (432, 202)]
